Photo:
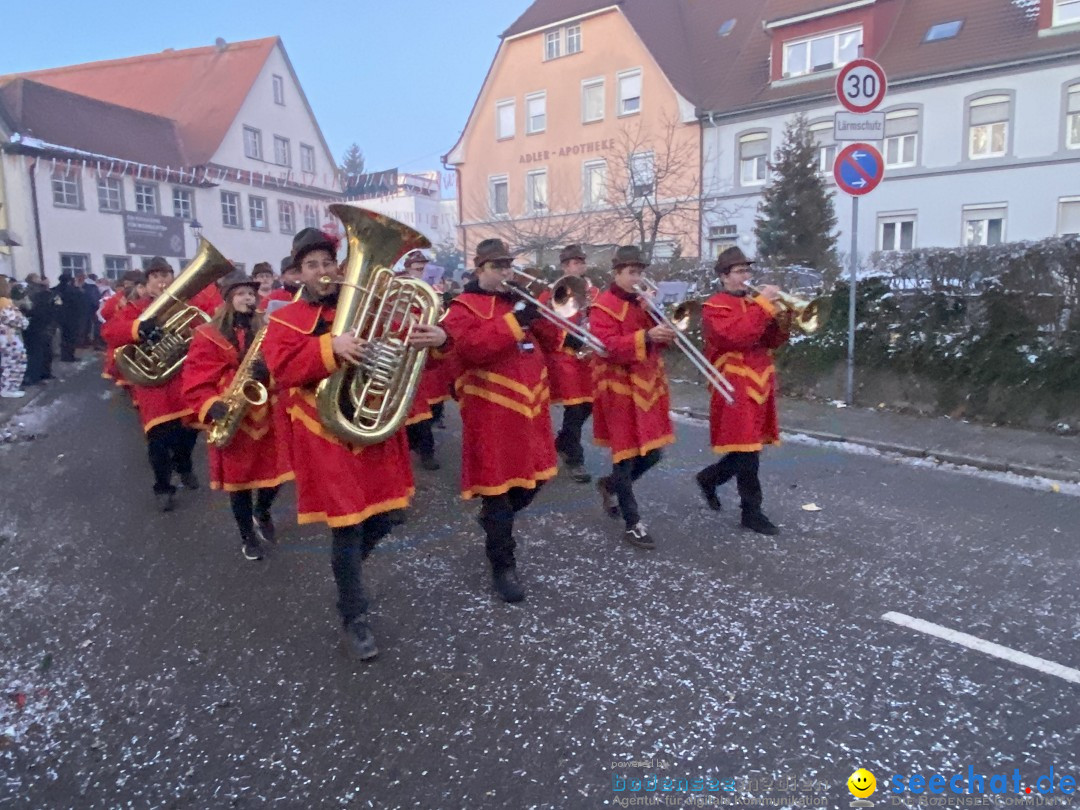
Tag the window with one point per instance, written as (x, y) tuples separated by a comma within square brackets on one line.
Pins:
[(1066, 11), (536, 192), (74, 263), (230, 209), (116, 266), (594, 183), (311, 217), (563, 42), (146, 198), (592, 100), (726, 28), (753, 157), (65, 189), (504, 119), (183, 203), (984, 224), (553, 45), (535, 113), (286, 216), (821, 53), (307, 158), (945, 30), (252, 143), (642, 175), (282, 154), (257, 213), (896, 232), (573, 39), (279, 90), (110, 194), (629, 92), (722, 237), (901, 138), (1072, 118), (1069, 216), (822, 134), (988, 134), (499, 189)]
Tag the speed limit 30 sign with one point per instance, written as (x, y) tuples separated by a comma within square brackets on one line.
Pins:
[(861, 85)]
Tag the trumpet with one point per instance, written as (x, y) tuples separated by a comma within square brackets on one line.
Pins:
[(568, 298), (685, 315), (806, 316)]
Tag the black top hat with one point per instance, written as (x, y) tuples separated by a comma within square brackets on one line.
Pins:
[(308, 240), (234, 280), (729, 258), (158, 264), (571, 252), (414, 256), (628, 254), (287, 263), (491, 250)]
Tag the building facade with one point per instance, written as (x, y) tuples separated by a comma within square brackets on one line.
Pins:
[(412, 199)]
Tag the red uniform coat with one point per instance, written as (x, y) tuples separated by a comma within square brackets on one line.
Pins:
[(571, 376), (740, 335), (630, 410), (116, 303), (503, 393), (337, 482), (253, 459), (208, 299)]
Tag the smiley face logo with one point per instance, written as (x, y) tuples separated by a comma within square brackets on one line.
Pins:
[(862, 783)]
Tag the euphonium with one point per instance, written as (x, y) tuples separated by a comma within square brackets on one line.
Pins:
[(154, 362), (244, 392), (366, 404)]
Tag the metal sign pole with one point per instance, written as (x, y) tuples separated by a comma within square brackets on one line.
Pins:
[(854, 260)]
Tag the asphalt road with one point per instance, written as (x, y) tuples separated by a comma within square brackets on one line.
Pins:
[(144, 663)]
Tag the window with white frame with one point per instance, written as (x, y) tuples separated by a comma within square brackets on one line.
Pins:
[(499, 194), (311, 217), (279, 89), (307, 158), (722, 237), (257, 213), (592, 100), (642, 166), (116, 266), (896, 231), (823, 52), (901, 138), (536, 192), (988, 133), (553, 44), (75, 263), (282, 153), (562, 42), (252, 143), (594, 183), (65, 188), (822, 133), (1072, 118), (1066, 12), (535, 113), (504, 119), (230, 209), (629, 83), (753, 158), (1069, 216), (573, 39), (286, 216), (110, 193), (183, 203), (984, 224), (146, 198)]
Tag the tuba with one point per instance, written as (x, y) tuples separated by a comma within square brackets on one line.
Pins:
[(366, 404), (153, 362)]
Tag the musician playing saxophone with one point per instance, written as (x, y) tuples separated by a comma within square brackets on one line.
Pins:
[(253, 462)]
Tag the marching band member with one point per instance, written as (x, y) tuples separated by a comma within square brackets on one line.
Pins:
[(132, 288), (162, 408), (571, 376), (508, 450), (263, 275), (421, 417), (349, 487), (252, 461), (741, 332), (630, 413), (290, 285)]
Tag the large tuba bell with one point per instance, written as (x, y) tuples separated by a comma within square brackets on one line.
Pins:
[(153, 362), (366, 404)]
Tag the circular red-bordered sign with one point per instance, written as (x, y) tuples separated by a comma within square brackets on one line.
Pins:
[(861, 85), (858, 169)]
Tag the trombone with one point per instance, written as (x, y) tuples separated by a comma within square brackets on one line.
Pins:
[(806, 316), (682, 318), (568, 298)]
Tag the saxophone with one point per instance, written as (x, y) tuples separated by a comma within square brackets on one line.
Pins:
[(244, 392)]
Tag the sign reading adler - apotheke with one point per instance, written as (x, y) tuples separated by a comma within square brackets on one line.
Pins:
[(586, 148), (151, 235)]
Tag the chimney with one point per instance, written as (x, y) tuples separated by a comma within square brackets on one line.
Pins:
[(220, 44)]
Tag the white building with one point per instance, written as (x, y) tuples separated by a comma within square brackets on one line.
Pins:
[(412, 199), (105, 164)]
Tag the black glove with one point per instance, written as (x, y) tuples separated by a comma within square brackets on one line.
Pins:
[(217, 411), (148, 330), (259, 371), (572, 343), (526, 312)]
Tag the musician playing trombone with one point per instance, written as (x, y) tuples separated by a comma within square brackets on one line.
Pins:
[(741, 332), (630, 407)]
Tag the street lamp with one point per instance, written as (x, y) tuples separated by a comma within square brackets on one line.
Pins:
[(196, 228)]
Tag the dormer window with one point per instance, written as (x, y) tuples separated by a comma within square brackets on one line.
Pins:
[(562, 42), (945, 30), (1066, 12), (822, 52)]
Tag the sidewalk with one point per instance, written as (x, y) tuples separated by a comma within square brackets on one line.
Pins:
[(62, 371), (998, 449)]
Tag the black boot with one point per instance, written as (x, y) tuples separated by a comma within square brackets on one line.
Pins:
[(250, 545), (757, 522), (265, 525), (358, 641), (578, 473), (708, 492), (507, 585)]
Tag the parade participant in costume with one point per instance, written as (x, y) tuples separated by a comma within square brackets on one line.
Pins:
[(630, 410), (12, 350), (571, 375), (162, 408), (252, 462), (349, 487), (290, 285), (432, 385), (508, 449), (263, 275), (132, 288), (741, 332)]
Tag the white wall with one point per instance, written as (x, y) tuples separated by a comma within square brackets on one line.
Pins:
[(434, 218)]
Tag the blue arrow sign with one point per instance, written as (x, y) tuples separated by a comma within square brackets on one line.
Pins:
[(859, 168)]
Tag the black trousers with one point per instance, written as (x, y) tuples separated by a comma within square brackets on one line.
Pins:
[(743, 467), (38, 356), (421, 439), (351, 546), (568, 442), (69, 336), (621, 483), (497, 519), (245, 508), (169, 447)]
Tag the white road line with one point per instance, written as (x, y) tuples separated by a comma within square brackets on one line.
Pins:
[(983, 646)]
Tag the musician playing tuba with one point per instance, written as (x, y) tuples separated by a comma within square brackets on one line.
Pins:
[(254, 461)]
